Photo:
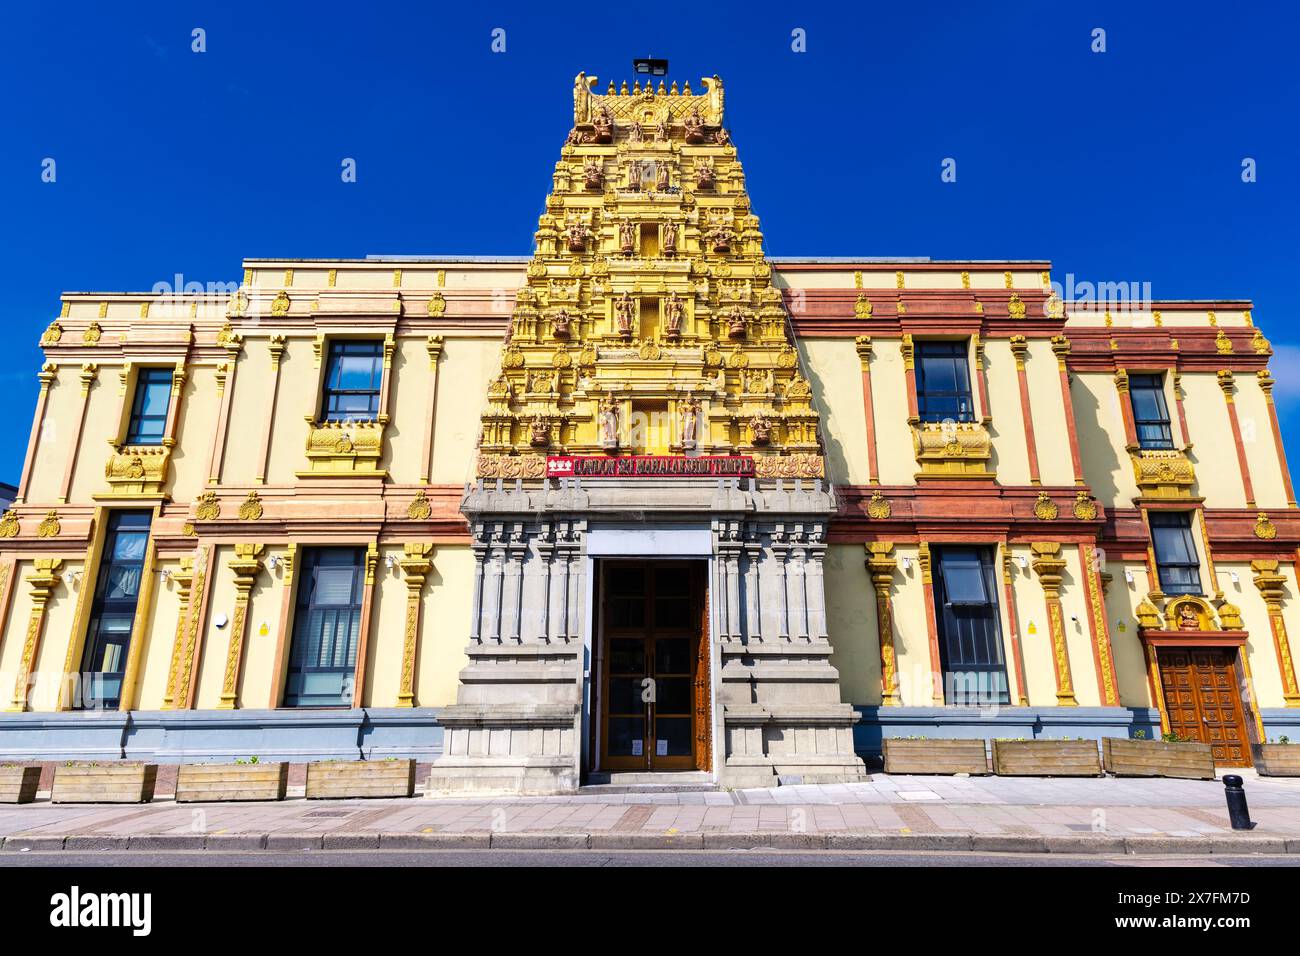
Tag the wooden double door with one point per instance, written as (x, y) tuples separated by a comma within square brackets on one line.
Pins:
[(654, 689), (1203, 700)]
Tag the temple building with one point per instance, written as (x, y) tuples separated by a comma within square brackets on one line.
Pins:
[(646, 501)]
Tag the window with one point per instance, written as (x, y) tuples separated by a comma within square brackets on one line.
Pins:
[(1150, 413), (116, 592), (153, 390), (943, 382), (352, 379), (970, 635), (1176, 558), (326, 628)]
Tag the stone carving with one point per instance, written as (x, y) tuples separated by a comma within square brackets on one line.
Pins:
[(674, 312), (251, 508), (760, 430), (208, 507), (690, 423), (539, 434), (609, 423), (879, 507), (720, 239), (419, 509), (670, 238), (1188, 619), (694, 126), (1045, 508), (624, 315), (49, 526), (1265, 530), (634, 133), (593, 174), (560, 324), (626, 237), (736, 322), (577, 234), (603, 124), (9, 524), (661, 177), (705, 176), (1085, 506)]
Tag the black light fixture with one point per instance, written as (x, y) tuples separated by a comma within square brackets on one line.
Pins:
[(651, 66)]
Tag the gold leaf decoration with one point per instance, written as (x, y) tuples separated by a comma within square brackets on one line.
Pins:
[(9, 524), (1085, 506), (437, 304), (209, 507), (49, 526), (1265, 530), (879, 507), (251, 507), (1045, 508), (419, 509)]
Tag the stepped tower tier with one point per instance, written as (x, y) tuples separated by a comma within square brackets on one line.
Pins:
[(649, 380)]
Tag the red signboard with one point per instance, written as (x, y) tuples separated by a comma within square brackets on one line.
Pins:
[(649, 466)]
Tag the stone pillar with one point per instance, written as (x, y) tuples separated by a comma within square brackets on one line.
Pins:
[(516, 723), (415, 568), (882, 566), (45, 577), (1270, 582), (247, 564), (1048, 565), (184, 580)]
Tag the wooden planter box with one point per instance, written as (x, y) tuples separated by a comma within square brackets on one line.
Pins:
[(1046, 758), (119, 782), (1277, 760), (18, 784), (335, 779), (935, 756), (213, 782), (1155, 758)]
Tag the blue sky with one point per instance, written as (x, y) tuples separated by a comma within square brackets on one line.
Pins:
[(1124, 165)]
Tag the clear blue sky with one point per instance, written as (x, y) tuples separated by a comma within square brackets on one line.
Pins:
[(1117, 166)]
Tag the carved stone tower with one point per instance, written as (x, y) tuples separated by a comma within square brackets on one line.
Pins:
[(648, 383)]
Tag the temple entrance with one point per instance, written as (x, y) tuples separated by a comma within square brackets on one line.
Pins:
[(1203, 700), (653, 661)]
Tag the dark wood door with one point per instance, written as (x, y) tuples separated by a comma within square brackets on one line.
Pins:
[(650, 684), (1203, 701)]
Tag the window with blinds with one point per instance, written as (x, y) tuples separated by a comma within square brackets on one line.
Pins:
[(326, 629)]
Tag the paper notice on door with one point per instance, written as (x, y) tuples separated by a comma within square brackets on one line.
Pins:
[(661, 748), (636, 748)]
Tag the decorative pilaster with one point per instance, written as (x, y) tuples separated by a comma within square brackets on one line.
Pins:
[(863, 344), (1049, 565), (1227, 384), (203, 563), (246, 564), (982, 380), (183, 578), (89, 373), (275, 346), (931, 625), (1103, 655), (1061, 348), (232, 342), (1013, 628), (49, 372), (367, 609), (1270, 582), (908, 350), (45, 577), (1126, 408), (433, 344), (1019, 350), (415, 568), (1266, 383), (882, 565), (139, 624)]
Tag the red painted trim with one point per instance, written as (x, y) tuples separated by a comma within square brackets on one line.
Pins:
[(1281, 451), (1027, 414), (1193, 638), (1017, 652), (1242, 463), (1072, 431), (869, 412)]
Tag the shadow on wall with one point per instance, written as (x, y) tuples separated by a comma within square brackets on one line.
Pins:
[(837, 463), (1100, 462)]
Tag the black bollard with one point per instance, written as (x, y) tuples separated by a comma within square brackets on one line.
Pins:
[(1235, 794)]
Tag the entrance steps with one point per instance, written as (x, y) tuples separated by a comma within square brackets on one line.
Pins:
[(636, 782)]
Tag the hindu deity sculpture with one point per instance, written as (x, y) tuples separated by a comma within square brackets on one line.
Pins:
[(674, 312), (694, 124), (624, 315)]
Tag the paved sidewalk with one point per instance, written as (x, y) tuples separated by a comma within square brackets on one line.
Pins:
[(993, 814)]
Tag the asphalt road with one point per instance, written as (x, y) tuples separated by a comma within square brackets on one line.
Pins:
[(604, 858)]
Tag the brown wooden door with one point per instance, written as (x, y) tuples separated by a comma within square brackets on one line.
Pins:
[(1203, 701), (650, 700)]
